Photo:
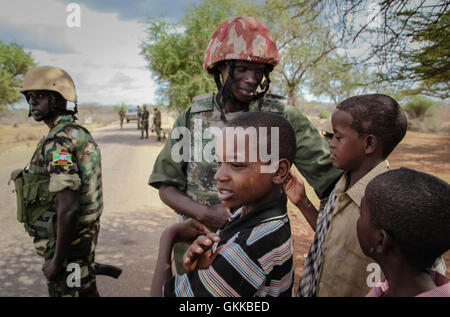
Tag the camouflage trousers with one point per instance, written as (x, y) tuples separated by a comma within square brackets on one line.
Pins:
[(77, 276), (158, 130), (144, 128)]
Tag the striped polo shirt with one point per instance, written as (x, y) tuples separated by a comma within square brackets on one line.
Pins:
[(256, 259)]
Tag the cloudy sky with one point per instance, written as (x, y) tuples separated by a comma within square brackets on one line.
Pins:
[(102, 55)]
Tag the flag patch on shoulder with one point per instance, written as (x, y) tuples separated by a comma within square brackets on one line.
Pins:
[(62, 159)]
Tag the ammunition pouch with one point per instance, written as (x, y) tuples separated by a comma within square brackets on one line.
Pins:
[(33, 195), (44, 227)]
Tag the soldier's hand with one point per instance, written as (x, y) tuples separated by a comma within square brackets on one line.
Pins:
[(50, 269), (199, 255), (215, 216)]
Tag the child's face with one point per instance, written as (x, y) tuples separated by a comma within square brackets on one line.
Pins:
[(240, 182), (346, 146)]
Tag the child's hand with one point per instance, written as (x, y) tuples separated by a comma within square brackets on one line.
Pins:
[(199, 255), (188, 230), (294, 188)]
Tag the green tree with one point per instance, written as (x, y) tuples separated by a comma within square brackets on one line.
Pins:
[(409, 41), (175, 52), (338, 79), (14, 63), (304, 42), (418, 107), (428, 58)]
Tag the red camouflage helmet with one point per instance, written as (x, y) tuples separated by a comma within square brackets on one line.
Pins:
[(241, 38)]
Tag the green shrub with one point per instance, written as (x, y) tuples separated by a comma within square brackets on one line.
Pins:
[(418, 107), (324, 114)]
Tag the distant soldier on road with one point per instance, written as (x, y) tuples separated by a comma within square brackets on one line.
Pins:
[(139, 116), (157, 122), (122, 116), (144, 122), (59, 193)]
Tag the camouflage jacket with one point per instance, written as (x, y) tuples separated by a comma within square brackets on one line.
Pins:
[(157, 117), (145, 115), (72, 160), (196, 177)]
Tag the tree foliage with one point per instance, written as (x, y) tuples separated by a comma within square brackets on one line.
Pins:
[(338, 79), (175, 51), (428, 58), (304, 43), (409, 40), (309, 35), (14, 63)]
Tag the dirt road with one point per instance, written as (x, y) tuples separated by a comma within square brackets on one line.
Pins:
[(132, 220)]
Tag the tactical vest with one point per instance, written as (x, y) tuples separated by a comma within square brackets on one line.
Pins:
[(205, 113), (32, 187)]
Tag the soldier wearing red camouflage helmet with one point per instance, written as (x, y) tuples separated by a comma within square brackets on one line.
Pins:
[(240, 56)]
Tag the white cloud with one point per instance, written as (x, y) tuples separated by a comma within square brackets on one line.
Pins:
[(102, 56)]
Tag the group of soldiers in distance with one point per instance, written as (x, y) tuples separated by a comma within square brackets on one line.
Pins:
[(143, 119)]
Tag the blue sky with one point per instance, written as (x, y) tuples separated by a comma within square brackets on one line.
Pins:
[(102, 55)]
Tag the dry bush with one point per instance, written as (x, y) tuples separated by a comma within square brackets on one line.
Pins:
[(437, 121), (92, 113)]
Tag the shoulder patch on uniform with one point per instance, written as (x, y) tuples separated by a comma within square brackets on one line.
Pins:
[(202, 103), (62, 159), (276, 99), (203, 97)]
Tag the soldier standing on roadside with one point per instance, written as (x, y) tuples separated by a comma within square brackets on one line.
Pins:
[(144, 122), (122, 116), (59, 193), (139, 116), (157, 122)]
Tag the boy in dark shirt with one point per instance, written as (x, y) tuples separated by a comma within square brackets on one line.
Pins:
[(254, 255)]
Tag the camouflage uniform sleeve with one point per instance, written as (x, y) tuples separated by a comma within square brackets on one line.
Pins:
[(313, 154), (165, 169), (60, 160)]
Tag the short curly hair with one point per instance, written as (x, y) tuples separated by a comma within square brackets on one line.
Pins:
[(258, 119), (377, 114), (413, 208)]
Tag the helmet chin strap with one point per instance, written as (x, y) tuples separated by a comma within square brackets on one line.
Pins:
[(53, 107)]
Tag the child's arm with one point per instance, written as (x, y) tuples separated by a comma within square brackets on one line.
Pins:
[(185, 231), (295, 191)]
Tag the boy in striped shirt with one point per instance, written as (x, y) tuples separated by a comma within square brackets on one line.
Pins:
[(252, 251)]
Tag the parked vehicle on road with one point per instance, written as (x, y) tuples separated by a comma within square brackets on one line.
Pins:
[(131, 114)]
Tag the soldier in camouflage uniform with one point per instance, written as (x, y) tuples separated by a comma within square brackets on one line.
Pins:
[(157, 122), (121, 116), (240, 56), (59, 193), (139, 117), (144, 122)]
